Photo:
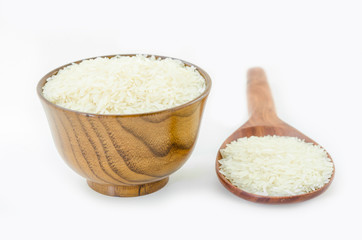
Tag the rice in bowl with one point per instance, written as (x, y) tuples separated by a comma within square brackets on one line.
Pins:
[(124, 85)]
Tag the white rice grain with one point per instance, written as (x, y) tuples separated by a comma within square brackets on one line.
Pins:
[(124, 85), (275, 166)]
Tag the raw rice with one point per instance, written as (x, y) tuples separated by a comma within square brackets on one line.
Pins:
[(275, 166), (124, 85)]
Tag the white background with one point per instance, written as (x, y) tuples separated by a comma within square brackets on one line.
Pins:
[(311, 51)]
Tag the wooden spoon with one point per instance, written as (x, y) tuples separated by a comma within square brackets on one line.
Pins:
[(264, 121)]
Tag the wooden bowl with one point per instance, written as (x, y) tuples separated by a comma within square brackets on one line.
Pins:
[(126, 155)]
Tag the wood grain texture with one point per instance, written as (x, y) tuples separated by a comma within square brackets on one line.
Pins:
[(126, 155), (264, 121)]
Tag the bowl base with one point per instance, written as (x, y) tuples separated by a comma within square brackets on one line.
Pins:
[(127, 190)]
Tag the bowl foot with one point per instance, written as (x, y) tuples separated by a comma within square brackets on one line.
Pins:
[(127, 190)]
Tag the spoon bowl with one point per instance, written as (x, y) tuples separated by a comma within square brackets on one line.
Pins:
[(264, 121)]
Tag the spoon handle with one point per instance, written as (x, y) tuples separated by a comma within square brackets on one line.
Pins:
[(260, 100)]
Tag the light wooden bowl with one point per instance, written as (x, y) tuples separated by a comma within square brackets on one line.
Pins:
[(126, 155)]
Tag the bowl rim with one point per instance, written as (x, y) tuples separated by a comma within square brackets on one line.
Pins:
[(202, 72)]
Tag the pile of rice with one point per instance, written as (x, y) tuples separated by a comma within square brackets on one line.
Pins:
[(275, 166), (124, 85)]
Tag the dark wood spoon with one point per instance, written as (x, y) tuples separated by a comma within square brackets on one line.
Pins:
[(264, 121)]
